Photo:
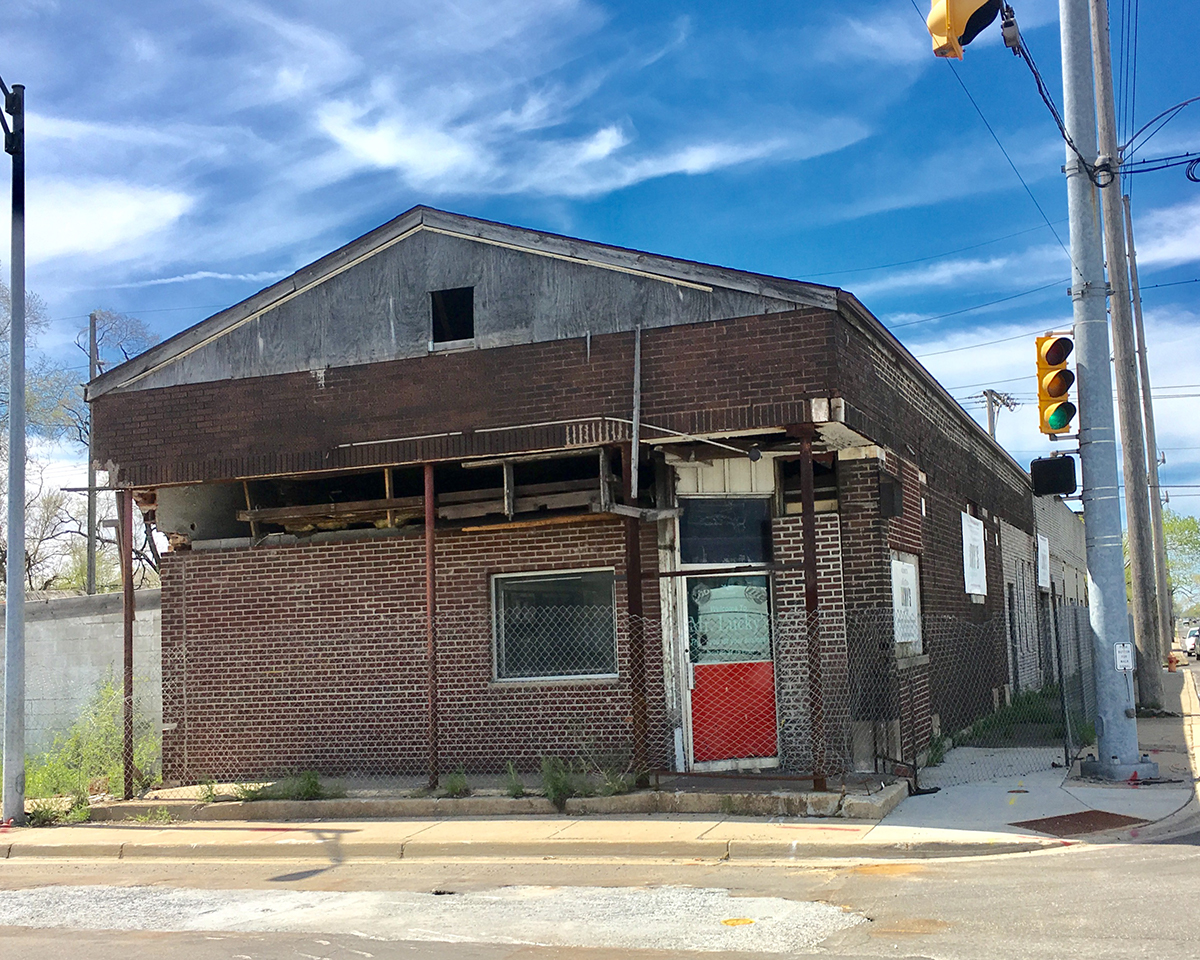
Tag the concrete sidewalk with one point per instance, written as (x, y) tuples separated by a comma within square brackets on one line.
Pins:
[(1060, 800)]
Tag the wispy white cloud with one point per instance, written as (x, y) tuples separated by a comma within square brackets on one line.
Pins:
[(98, 218), (1169, 235), (1026, 268), (260, 277), (892, 36)]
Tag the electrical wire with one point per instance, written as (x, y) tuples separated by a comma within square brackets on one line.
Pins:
[(962, 84), (1100, 177), (980, 306), (935, 256), (1192, 159), (1166, 116), (985, 343)]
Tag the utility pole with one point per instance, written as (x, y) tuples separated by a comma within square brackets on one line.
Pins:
[(1137, 494), (995, 400), (1166, 632), (13, 797), (93, 358), (1116, 726)]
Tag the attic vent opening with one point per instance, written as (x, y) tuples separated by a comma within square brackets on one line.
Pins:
[(453, 315)]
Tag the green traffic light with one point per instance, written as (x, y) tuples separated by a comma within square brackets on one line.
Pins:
[(1059, 416)]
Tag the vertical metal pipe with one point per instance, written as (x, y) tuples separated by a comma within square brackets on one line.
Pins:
[(808, 516), (14, 610), (431, 625), (1133, 450), (637, 413), (1161, 583), (637, 632), (93, 363), (125, 510), (1115, 727)]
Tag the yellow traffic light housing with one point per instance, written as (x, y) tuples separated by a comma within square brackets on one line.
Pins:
[(1055, 409), (955, 23)]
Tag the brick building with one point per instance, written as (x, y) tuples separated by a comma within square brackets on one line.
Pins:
[(461, 493)]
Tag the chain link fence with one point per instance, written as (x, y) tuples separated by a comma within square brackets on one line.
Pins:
[(726, 688)]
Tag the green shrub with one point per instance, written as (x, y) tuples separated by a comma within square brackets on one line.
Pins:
[(562, 780), (305, 785), (938, 745), (613, 782), (160, 815), (455, 785), (47, 811), (514, 786), (88, 758)]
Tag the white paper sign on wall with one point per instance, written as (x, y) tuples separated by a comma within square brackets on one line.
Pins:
[(974, 573), (906, 601), (1043, 544)]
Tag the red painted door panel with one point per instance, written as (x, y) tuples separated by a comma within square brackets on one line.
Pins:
[(733, 711)]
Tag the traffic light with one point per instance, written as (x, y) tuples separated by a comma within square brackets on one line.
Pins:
[(1055, 410), (955, 23)]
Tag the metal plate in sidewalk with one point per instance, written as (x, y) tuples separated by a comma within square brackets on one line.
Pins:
[(1078, 824)]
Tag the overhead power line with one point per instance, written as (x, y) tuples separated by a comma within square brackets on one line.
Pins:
[(934, 256), (980, 306)]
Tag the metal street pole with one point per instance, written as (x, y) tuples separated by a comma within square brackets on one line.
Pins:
[(990, 397), (1166, 632), (1133, 450), (14, 608), (91, 491), (1116, 726)]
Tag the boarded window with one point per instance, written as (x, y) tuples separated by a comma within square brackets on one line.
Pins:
[(453, 314), (725, 530), (555, 625)]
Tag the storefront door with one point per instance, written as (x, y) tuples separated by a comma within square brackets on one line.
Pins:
[(732, 676)]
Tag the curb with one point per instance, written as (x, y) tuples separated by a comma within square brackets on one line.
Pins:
[(780, 804), (328, 850)]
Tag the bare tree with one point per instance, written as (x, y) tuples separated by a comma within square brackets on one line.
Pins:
[(56, 531)]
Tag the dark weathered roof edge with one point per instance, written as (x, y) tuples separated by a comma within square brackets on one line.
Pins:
[(851, 303), (585, 251)]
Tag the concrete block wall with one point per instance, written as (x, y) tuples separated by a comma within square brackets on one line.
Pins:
[(71, 645), (1027, 653)]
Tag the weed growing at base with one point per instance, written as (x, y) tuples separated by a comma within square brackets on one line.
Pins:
[(455, 785), (87, 759), (305, 785)]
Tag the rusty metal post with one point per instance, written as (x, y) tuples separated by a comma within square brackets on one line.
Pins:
[(637, 632), (125, 546), (808, 515), (431, 625)]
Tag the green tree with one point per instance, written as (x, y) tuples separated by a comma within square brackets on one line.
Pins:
[(1182, 536)]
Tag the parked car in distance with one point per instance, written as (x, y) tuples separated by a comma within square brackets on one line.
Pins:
[(1190, 642)]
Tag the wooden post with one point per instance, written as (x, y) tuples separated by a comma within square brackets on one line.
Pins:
[(431, 625), (637, 633), (388, 494), (125, 546), (808, 514)]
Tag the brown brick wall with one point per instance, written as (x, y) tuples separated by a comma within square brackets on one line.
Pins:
[(314, 657), (721, 375), (793, 626)]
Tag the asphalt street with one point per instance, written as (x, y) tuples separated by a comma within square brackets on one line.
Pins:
[(1088, 901)]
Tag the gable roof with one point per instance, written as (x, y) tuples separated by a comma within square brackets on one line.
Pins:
[(684, 274)]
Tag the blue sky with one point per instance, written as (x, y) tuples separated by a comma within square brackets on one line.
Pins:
[(183, 155)]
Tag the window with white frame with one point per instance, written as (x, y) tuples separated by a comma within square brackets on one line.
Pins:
[(555, 625)]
